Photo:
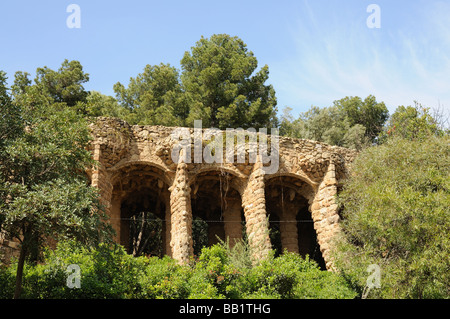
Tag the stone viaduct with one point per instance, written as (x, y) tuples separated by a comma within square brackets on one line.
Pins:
[(136, 172)]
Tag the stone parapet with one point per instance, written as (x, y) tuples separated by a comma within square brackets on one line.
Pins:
[(139, 159)]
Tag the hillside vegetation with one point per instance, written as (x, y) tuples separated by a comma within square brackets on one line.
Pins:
[(394, 206)]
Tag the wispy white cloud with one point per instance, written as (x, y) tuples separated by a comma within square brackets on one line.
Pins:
[(336, 58)]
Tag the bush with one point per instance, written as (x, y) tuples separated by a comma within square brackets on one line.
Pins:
[(214, 275), (396, 215), (291, 276), (107, 271), (7, 279)]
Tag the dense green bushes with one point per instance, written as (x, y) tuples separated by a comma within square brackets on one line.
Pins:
[(109, 272), (396, 215)]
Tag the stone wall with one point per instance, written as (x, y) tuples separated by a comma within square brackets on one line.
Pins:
[(136, 172), (137, 160), (8, 249)]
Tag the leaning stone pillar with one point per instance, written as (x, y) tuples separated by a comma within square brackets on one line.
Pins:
[(254, 204), (324, 212), (288, 227), (168, 230), (101, 179), (232, 220), (181, 216), (115, 215)]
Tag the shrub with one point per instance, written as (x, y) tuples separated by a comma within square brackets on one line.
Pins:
[(107, 271), (214, 268), (7, 279), (396, 215), (291, 276)]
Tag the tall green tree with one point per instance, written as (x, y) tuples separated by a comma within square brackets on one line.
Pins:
[(395, 210), (223, 87), (10, 122), (98, 104), (329, 125), (44, 190), (324, 124), (413, 123), (64, 85), (154, 97), (368, 113), (290, 126)]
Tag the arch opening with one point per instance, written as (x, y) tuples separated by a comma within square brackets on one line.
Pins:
[(140, 211), (291, 226), (216, 209), (143, 225)]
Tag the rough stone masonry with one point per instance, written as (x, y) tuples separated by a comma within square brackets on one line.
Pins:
[(136, 172)]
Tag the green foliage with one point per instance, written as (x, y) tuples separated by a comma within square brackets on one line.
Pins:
[(64, 85), (413, 123), (326, 125), (7, 278), (217, 78), (368, 113), (98, 104), (217, 85), (44, 190), (107, 271), (396, 215), (43, 177), (154, 97), (291, 276), (239, 254), (214, 275), (199, 234), (350, 122), (10, 121)]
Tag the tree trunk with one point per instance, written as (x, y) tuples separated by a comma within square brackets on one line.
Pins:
[(141, 231), (20, 265)]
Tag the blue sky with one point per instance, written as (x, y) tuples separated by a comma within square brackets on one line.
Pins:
[(317, 51)]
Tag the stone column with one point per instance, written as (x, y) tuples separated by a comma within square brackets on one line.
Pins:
[(101, 179), (215, 229), (181, 216), (168, 231), (115, 215), (254, 204), (324, 212), (232, 220), (288, 227)]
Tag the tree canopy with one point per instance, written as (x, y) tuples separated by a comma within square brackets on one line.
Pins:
[(368, 113), (395, 210), (154, 97), (218, 78), (218, 84), (394, 205), (44, 189), (349, 122), (413, 123)]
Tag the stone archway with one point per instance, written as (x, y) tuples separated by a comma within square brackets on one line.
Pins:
[(136, 173), (143, 223), (216, 200), (288, 204), (140, 211), (138, 160)]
